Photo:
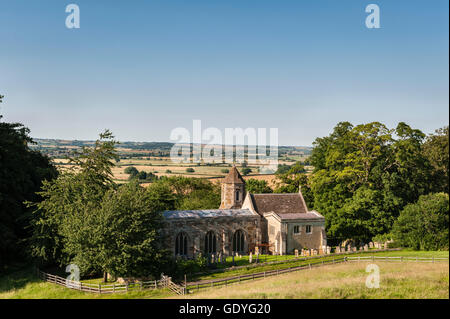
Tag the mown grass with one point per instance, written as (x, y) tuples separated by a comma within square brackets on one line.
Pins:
[(397, 281)]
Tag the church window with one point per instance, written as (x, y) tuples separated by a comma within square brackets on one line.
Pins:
[(237, 195), (296, 229), (210, 243), (238, 241), (181, 245)]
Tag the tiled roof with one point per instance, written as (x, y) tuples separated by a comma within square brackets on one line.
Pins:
[(233, 177), (279, 203), (207, 213), (286, 206)]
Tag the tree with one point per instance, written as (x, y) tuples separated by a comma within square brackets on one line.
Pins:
[(65, 218), (190, 193), (424, 224), (367, 172), (142, 175), (436, 150), (256, 186), (245, 171), (290, 179), (22, 172), (225, 170), (132, 171), (127, 229), (190, 170)]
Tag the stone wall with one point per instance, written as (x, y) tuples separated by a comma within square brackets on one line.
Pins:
[(223, 227), (304, 240)]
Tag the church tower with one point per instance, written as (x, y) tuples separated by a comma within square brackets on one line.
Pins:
[(233, 190)]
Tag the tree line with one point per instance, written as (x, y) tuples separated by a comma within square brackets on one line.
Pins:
[(370, 181)]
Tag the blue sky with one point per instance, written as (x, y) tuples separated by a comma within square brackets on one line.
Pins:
[(143, 68)]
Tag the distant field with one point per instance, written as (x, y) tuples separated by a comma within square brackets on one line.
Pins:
[(397, 281), (161, 165)]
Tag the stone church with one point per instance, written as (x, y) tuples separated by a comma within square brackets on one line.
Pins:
[(244, 223)]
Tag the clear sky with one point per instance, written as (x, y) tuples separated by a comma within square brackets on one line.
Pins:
[(143, 68)]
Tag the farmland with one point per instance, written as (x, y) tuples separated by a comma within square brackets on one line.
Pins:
[(155, 158)]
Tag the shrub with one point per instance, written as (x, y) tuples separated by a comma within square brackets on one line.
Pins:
[(190, 170), (424, 224)]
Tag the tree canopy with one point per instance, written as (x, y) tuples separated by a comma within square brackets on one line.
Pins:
[(22, 172)]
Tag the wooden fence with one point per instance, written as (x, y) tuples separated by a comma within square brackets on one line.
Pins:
[(164, 282), (192, 286), (401, 258), (261, 262)]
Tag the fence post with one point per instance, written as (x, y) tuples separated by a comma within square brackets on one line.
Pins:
[(126, 286), (433, 258), (264, 274), (114, 287), (140, 284), (100, 288), (309, 265)]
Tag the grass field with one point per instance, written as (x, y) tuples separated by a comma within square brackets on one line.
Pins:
[(397, 281), (22, 284)]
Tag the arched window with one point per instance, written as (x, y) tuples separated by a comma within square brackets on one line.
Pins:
[(237, 195), (181, 247), (210, 243), (238, 241)]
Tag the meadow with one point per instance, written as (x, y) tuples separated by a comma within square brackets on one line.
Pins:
[(398, 280)]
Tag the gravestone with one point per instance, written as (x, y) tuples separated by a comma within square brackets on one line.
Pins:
[(354, 248), (328, 250), (386, 245), (296, 253), (250, 257), (338, 250), (371, 245), (366, 248)]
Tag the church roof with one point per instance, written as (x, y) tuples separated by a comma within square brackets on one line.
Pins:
[(233, 177), (308, 215), (286, 206), (279, 203), (207, 213)]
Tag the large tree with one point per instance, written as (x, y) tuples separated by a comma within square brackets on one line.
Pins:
[(22, 171), (436, 150), (70, 202), (364, 175)]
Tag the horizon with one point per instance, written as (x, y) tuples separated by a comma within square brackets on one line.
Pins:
[(145, 68)]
